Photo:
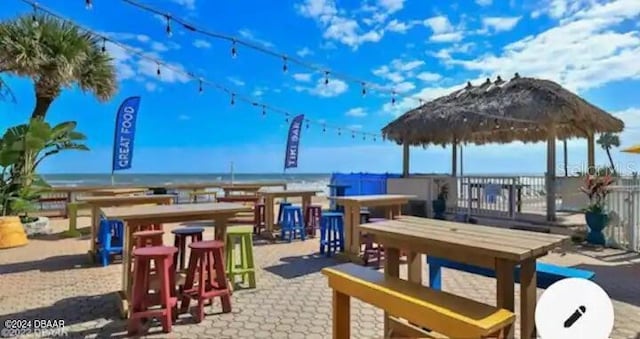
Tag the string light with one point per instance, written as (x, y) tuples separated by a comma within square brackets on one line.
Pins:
[(34, 18), (364, 89), (88, 4), (326, 78), (104, 45), (284, 64), (201, 81), (286, 119), (234, 52), (307, 126), (393, 98), (200, 89), (168, 29)]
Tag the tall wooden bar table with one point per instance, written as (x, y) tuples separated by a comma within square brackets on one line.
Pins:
[(220, 213), (352, 206), (98, 202), (496, 248), (269, 197)]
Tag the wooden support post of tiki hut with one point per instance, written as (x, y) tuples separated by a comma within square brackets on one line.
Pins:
[(591, 153), (550, 179), (454, 158), (405, 160)]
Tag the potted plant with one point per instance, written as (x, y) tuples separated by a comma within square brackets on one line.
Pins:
[(596, 188), (439, 205), (22, 149)]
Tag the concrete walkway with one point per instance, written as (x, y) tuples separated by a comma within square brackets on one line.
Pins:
[(51, 279)]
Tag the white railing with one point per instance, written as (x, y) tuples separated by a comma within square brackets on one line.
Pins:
[(623, 207), (501, 196)]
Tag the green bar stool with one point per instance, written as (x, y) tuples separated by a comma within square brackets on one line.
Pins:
[(241, 235)]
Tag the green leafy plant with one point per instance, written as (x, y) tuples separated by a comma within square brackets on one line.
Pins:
[(22, 149), (596, 188)]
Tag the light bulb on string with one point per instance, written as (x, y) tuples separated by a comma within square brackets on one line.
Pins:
[(393, 97), (287, 119), (364, 89), (264, 110), (285, 68), (307, 125), (374, 139), (339, 132), (353, 135), (464, 118), (324, 128), (88, 4), (34, 16), (233, 99), (364, 137), (168, 29), (200, 89), (158, 70), (512, 128), (104, 45), (234, 52), (326, 78), (497, 123)]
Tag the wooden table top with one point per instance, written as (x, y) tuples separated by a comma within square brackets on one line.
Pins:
[(119, 190), (251, 185), (288, 193), (173, 211), (124, 199), (515, 245), (372, 198)]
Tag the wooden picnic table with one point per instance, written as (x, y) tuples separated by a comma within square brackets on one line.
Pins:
[(499, 249), (96, 203), (118, 191), (353, 205), (269, 197), (219, 213), (249, 188)]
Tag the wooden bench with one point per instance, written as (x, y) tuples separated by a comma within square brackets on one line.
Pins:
[(547, 274), (447, 314)]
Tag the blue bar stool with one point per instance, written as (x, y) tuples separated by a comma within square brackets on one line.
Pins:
[(281, 210), (292, 222), (110, 239), (331, 233)]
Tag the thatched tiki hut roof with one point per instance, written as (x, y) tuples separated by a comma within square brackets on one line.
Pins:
[(521, 109)]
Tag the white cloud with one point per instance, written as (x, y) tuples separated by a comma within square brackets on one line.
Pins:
[(250, 35), (398, 71), (484, 2), (188, 4), (304, 52), (302, 77), (584, 51), (159, 47), (334, 88), (236, 81), (151, 86), (404, 87), (354, 127), (445, 54), (343, 26), (398, 26), (199, 43), (356, 112), (429, 76), (499, 24), (443, 30)]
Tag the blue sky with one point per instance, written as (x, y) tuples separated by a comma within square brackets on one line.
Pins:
[(421, 48)]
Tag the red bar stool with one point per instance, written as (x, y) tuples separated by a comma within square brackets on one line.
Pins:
[(312, 217), (259, 218), (180, 242), (371, 249), (148, 238), (162, 257), (207, 264)]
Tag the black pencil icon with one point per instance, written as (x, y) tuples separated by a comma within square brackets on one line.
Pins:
[(575, 316)]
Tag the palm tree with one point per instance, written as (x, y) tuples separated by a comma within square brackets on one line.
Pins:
[(56, 54), (607, 141)]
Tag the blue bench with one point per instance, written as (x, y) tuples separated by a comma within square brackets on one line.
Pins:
[(547, 274)]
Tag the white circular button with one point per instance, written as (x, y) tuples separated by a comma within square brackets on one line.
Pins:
[(574, 308)]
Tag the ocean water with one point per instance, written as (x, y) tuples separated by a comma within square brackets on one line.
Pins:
[(305, 180)]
